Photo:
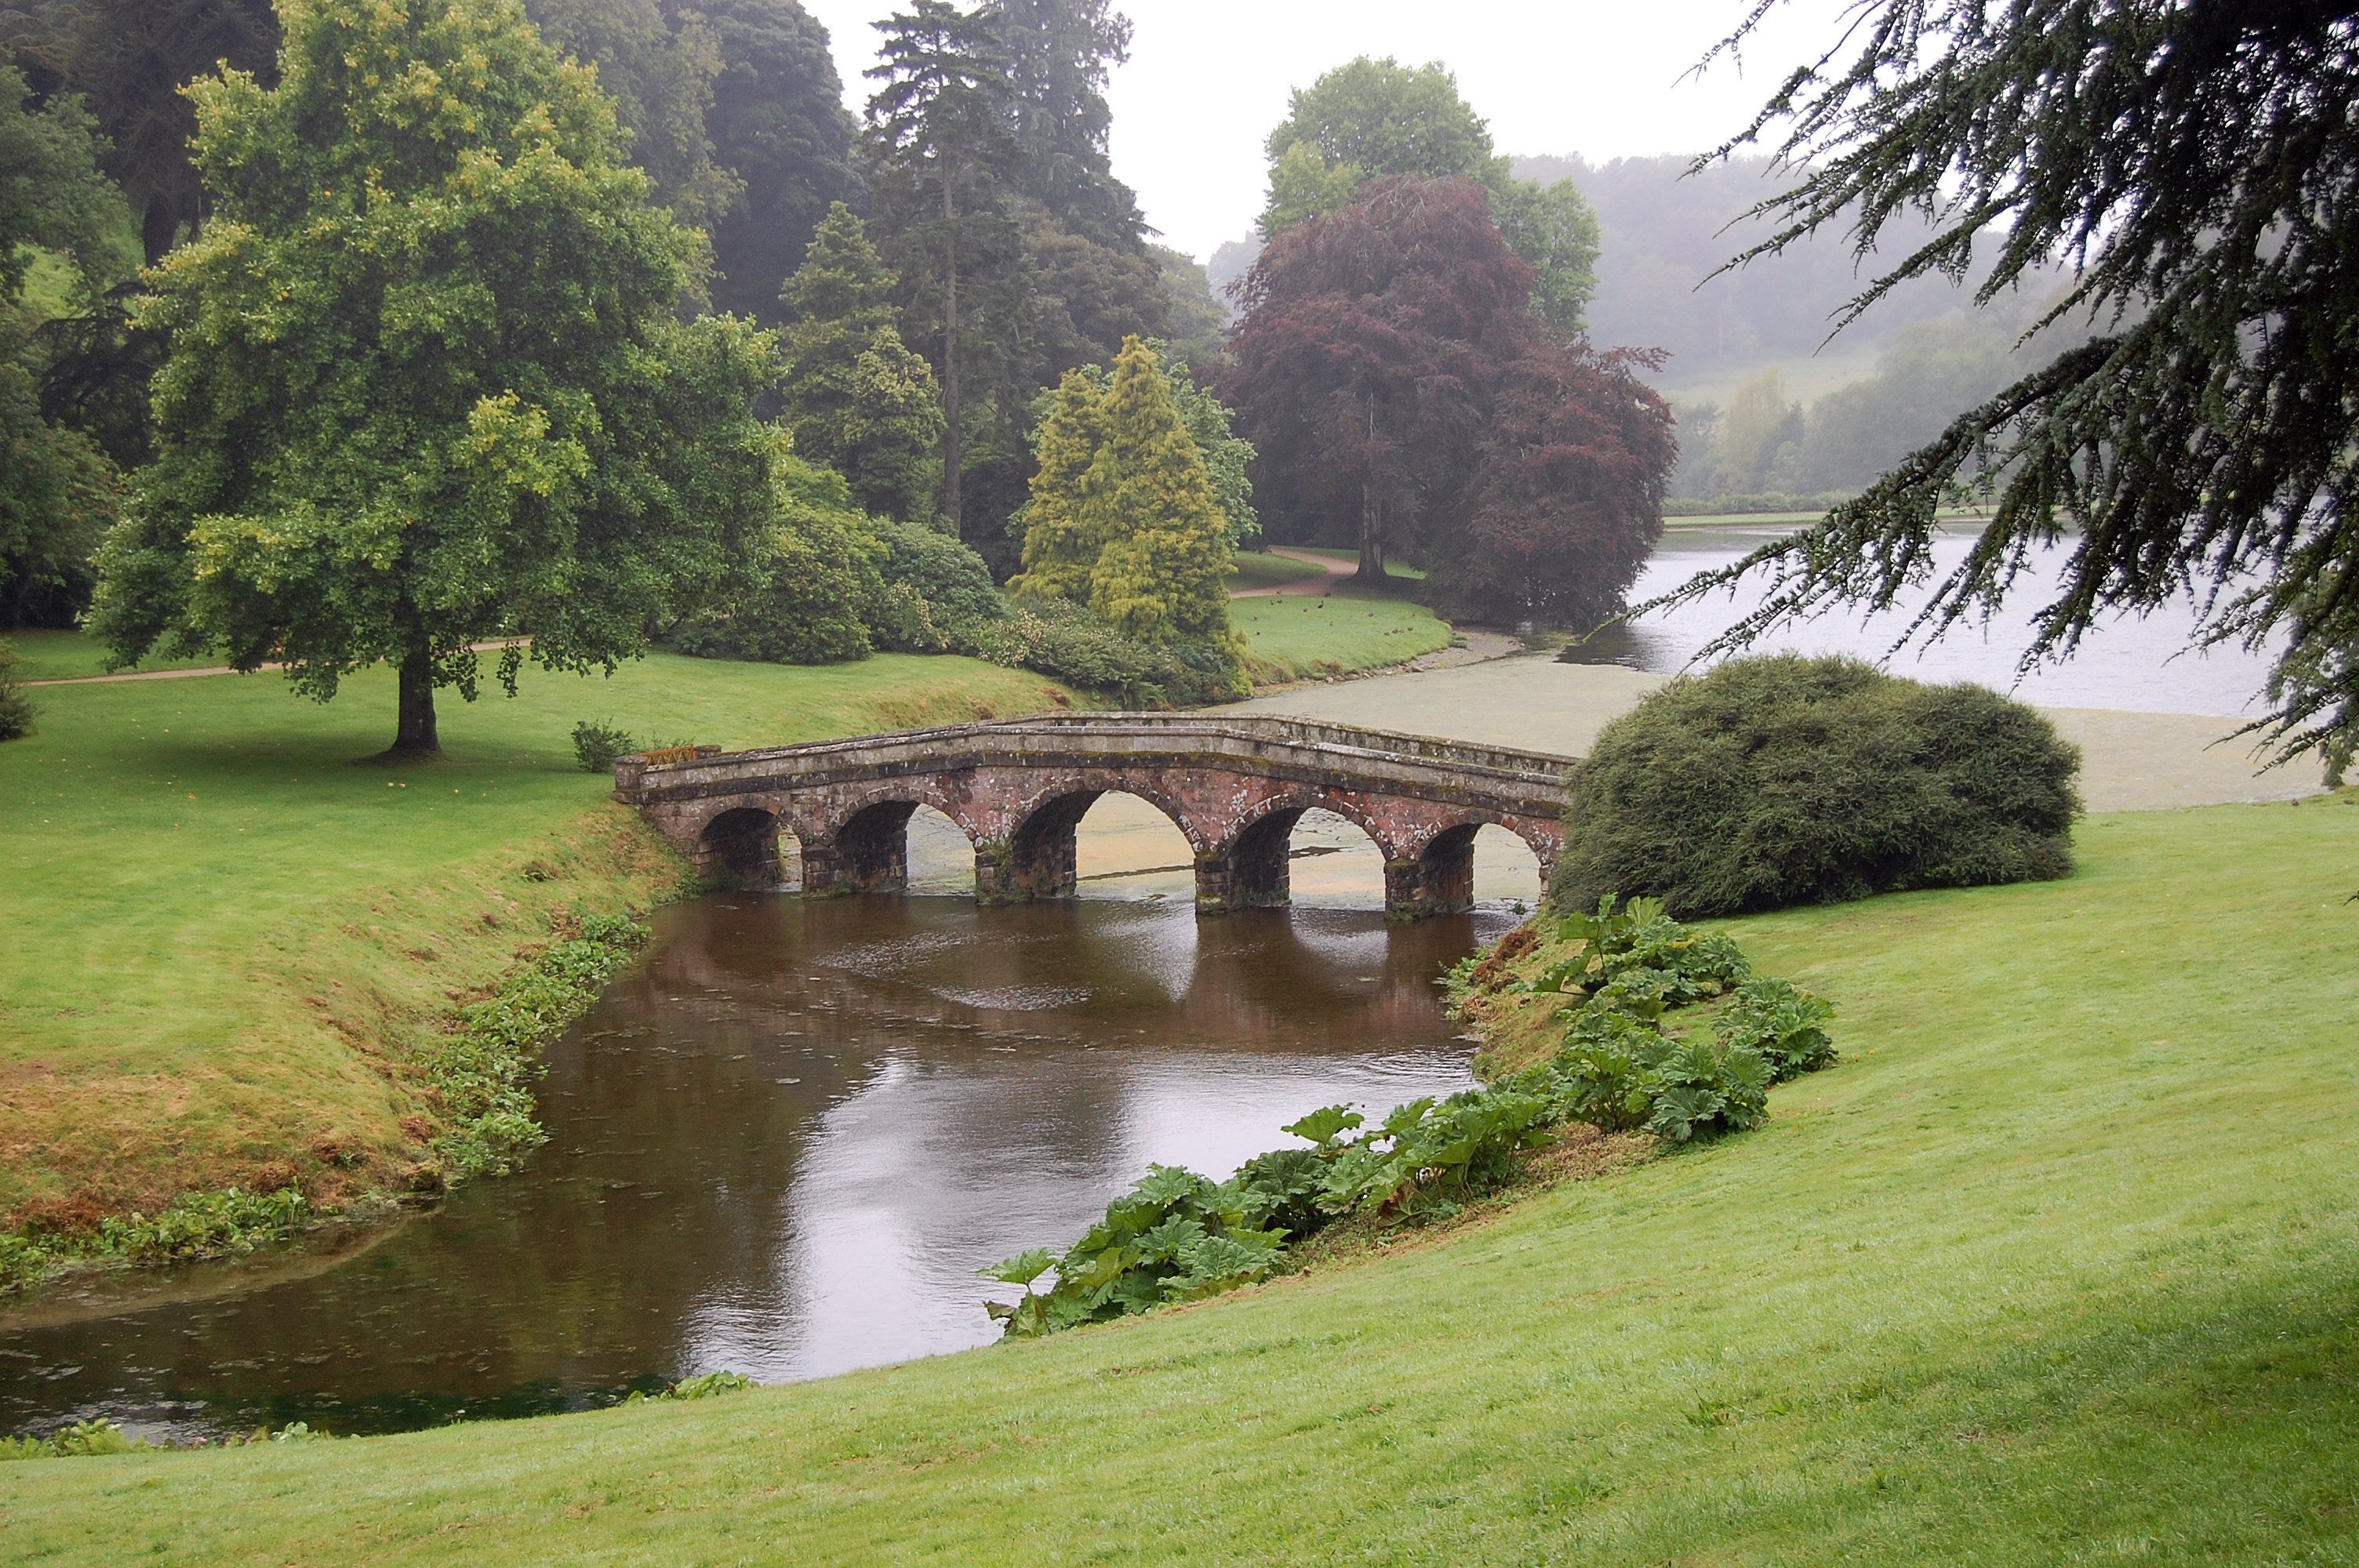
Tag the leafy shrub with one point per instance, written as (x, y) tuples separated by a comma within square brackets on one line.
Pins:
[(15, 708), (801, 601), (1781, 780), (483, 1069), (203, 1224), (596, 746), (83, 1439), (1786, 1026), (705, 1386), (938, 595), (1177, 1235)]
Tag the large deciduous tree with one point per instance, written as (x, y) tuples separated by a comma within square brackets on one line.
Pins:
[(1362, 365), (57, 488), (1396, 383), (2200, 164), (426, 384), (1370, 118), (1569, 499)]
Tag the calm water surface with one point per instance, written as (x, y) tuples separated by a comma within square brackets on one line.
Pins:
[(2140, 664), (787, 1143)]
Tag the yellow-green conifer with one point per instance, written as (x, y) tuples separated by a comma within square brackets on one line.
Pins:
[(1063, 533), (1163, 573)]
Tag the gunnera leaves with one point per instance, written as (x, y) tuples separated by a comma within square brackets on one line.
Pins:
[(1781, 780)]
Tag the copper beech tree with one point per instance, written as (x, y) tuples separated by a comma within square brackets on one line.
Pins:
[(1399, 387), (427, 384)]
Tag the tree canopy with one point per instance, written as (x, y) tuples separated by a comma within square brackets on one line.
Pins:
[(57, 488), (1373, 118), (2197, 164), (1393, 378), (426, 384), (778, 123)]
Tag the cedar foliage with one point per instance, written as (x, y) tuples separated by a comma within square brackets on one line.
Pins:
[(1783, 780), (2199, 165)]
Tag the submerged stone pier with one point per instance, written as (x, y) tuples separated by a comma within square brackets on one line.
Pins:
[(1233, 784)]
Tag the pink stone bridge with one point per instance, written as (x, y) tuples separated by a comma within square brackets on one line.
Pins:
[(1235, 785)]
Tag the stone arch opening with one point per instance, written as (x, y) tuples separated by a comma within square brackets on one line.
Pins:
[(1438, 879), (1343, 860), (1041, 857), (739, 848), (868, 852), (1127, 846), (1507, 866), (940, 853)]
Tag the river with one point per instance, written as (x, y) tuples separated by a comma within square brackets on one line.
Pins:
[(785, 1143)]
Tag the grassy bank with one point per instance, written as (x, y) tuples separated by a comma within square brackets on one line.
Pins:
[(2055, 1266), (225, 946), (1290, 638)]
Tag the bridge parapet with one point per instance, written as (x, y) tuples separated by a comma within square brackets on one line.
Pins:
[(1234, 784)]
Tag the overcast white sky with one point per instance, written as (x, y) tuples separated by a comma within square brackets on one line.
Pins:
[(1207, 80)]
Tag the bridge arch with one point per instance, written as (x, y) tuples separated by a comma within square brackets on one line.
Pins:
[(1253, 868), (738, 846), (1040, 857)]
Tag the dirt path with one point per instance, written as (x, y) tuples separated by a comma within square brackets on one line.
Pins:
[(1315, 588)]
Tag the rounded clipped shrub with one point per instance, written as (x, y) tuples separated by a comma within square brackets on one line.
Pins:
[(1781, 780), (16, 707)]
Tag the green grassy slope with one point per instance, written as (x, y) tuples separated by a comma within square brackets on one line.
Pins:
[(218, 932), (2057, 1266), (1288, 638)]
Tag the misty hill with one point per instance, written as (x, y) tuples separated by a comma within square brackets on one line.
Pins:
[(1662, 237)]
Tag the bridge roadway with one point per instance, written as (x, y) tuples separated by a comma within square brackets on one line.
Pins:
[(1234, 785)]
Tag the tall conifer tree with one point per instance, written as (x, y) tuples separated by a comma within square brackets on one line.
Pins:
[(1163, 574)]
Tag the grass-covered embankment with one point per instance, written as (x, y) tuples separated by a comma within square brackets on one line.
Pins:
[(2055, 1266), (228, 954), (1340, 632)]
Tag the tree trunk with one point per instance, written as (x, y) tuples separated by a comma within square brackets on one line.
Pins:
[(158, 226), (1372, 517), (953, 437), (413, 731)]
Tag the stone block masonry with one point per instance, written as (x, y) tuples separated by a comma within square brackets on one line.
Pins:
[(1235, 786)]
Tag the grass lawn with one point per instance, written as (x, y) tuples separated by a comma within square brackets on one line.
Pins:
[(63, 655), (1288, 638), (1258, 568), (2057, 1266), (219, 932)]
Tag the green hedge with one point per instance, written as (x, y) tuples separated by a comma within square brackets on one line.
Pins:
[(1781, 780)]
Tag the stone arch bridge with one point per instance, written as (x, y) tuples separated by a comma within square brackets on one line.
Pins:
[(1234, 785)]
